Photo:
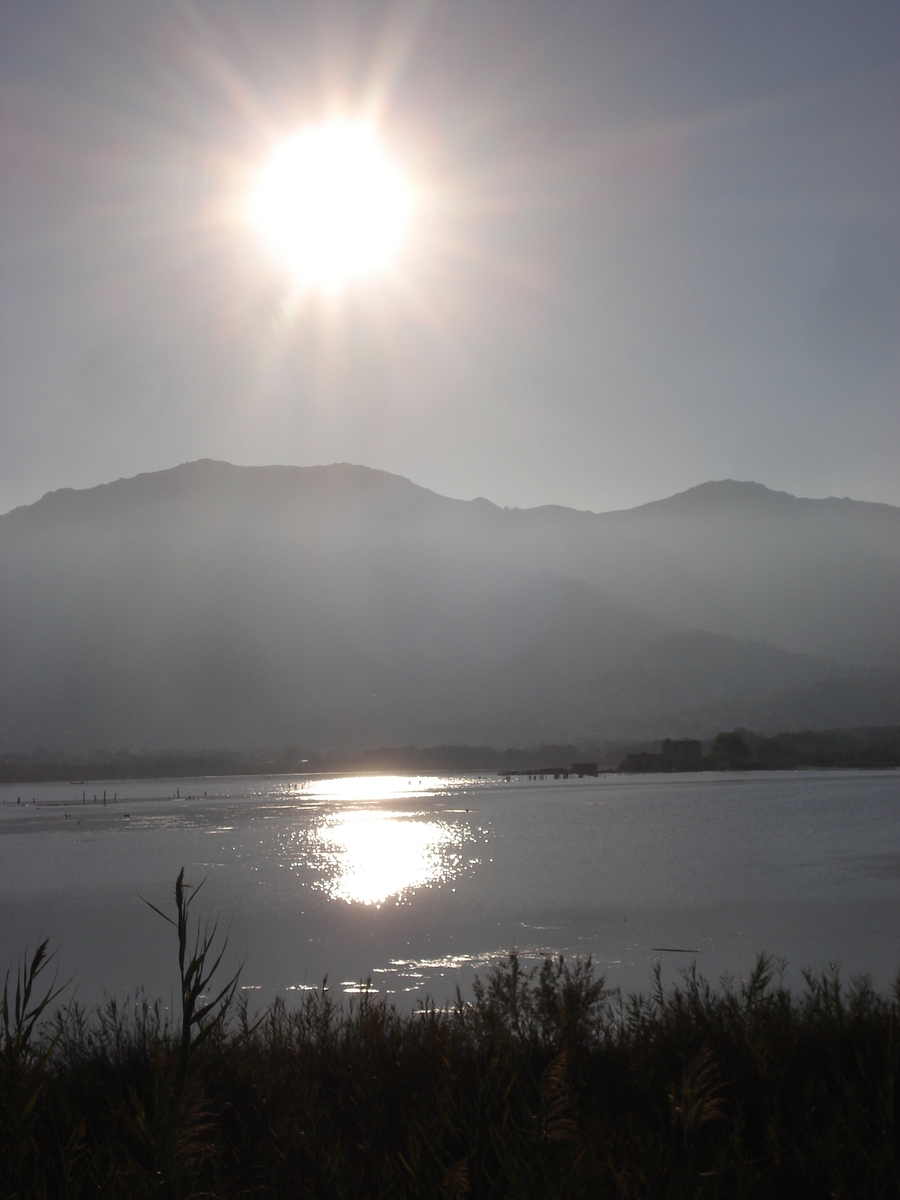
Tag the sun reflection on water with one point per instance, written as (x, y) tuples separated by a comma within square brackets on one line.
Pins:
[(363, 853), (369, 856), (372, 788)]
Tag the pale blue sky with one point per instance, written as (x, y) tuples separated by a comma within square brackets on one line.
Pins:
[(663, 246)]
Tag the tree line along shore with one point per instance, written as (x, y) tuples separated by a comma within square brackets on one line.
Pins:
[(741, 749)]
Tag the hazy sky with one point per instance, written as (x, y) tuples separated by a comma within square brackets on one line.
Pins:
[(656, 243)]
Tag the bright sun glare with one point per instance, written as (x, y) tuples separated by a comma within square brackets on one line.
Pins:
[(373, 855), (332, 206)]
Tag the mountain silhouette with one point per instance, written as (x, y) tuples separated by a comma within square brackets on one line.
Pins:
[(341, 607)]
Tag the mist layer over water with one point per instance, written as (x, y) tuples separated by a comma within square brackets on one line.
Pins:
[(417, 883)]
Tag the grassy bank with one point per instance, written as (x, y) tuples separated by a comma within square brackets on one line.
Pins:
[(544, 1085)]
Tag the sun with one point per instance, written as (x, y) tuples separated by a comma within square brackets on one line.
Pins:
[(332, 206)]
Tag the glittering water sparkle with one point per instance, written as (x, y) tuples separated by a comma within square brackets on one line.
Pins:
[(367, 856)]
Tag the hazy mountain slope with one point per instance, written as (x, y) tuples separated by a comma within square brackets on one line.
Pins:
[(221, 606), (818, 576), (562, 687)]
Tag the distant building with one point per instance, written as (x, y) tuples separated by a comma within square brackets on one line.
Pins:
[(641, 764), (581, 769), (681, 755)]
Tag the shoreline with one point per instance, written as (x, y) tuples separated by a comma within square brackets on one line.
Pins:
[(863, 748)]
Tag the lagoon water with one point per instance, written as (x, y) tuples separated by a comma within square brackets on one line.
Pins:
[(417, 883)]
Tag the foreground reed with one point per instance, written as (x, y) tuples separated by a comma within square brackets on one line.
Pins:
[(544, 1085)]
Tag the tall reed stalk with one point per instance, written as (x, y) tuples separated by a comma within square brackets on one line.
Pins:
[(198, 1021)]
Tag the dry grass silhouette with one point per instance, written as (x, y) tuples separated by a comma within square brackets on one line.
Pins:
[(545, 1085)]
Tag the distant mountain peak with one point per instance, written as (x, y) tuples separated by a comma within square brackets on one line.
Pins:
[(723, 494)]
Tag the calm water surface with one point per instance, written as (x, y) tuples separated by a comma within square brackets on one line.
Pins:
[(420, 882)]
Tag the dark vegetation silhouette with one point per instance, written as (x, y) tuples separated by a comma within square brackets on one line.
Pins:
[(741, 749), (730, 750), (198, 1021), (544, 1085)]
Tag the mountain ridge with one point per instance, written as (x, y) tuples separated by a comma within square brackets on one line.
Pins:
[(698, 494), (234, 606)]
